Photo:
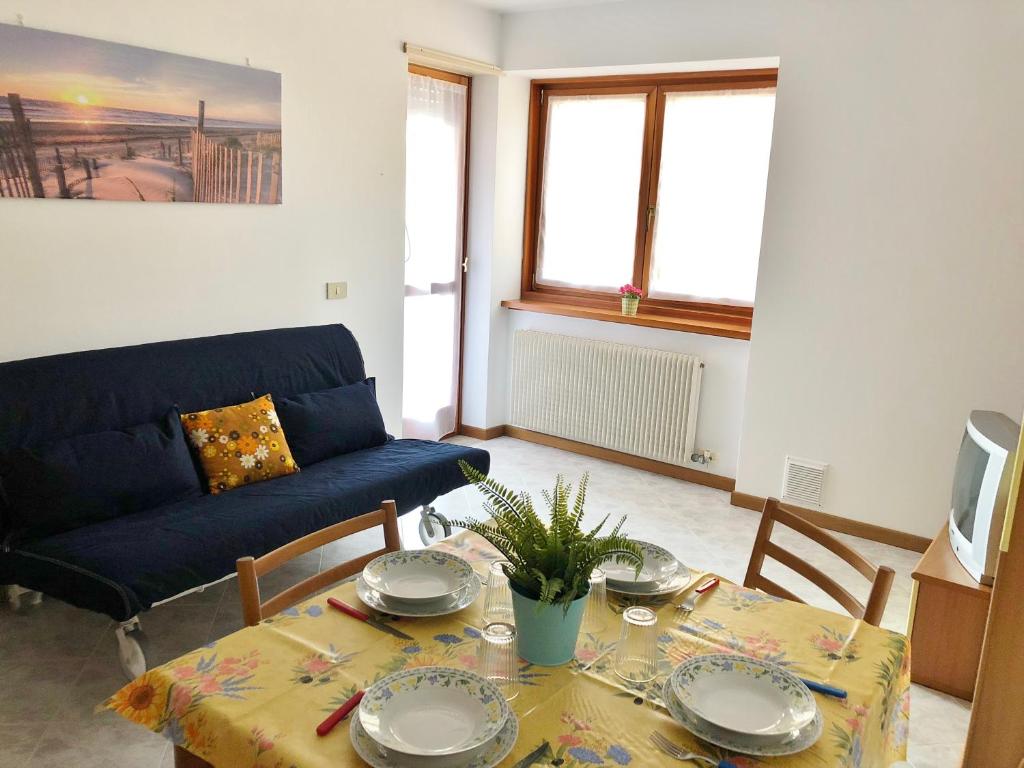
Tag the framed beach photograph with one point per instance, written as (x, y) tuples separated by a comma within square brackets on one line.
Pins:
[(84, 119)]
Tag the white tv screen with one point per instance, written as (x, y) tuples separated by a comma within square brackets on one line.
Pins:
[(970, 471)]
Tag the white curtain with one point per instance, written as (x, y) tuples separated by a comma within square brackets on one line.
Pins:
[(593, 161), (711, 192), (435, 170)]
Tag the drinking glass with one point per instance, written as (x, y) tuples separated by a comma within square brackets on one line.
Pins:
[(636, 658), (498, 604), (595, 618), (498, 659)]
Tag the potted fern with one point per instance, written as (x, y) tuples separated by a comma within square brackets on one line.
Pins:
[(550, 563)]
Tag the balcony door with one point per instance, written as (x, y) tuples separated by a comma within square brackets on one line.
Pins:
[(435, 204)]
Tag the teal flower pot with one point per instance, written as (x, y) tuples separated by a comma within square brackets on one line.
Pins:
[(547, 635)]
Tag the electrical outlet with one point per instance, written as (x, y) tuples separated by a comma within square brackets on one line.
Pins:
[(337, 290), (704, 457)]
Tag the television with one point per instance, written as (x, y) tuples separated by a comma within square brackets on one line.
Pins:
[(981, 485)]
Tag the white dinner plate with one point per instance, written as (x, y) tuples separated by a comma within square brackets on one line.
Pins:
[(750, 697), (659, 565), (418, 576), (433, 711), (380, 757), (440, 607), (677, 581), (807, 737)]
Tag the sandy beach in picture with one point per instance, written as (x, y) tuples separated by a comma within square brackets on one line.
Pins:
[(87, 119)]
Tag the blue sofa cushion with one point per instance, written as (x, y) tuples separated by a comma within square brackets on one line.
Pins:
[(90, 478), (332, 422), (123, 566), (44, 399)]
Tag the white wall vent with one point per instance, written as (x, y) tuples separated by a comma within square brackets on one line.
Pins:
[(803, 482)]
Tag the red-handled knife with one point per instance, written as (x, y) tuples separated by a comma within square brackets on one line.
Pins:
[(339, 714), (357, 614), (707, 586)]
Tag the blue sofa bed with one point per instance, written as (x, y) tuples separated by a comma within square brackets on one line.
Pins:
[(122, 565)]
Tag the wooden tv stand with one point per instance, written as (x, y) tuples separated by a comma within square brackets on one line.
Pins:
[(948, 611)]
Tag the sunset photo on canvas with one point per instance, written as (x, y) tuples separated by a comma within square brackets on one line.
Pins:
[(87, 119)]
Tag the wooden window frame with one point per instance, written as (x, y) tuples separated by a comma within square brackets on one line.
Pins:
[(660, 311)]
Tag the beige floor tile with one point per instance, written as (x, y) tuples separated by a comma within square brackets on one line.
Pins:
[(935, 756), (18, 743), (102, 742), (99, 680), (937, 719), (171, 629), (33, 692), (50, 630)]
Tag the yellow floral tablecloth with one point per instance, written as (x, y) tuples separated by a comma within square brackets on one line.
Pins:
[(254, 698)]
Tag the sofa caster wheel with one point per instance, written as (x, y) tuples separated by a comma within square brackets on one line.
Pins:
[(132, 645), (22, 600), (433, 526)]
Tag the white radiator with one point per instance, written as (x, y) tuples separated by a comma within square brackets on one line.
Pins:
[(630, 399)]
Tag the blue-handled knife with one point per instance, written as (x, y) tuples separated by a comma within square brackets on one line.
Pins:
[(533, 757), (827, 690)]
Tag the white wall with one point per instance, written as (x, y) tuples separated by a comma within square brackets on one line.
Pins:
[(893, 246), (497, 194), (481, 305), (81, 275)]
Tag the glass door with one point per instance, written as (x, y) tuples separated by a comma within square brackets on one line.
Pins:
[(435, 202)]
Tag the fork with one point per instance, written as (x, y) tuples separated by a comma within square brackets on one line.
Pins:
[(670, 749), (686, 607)]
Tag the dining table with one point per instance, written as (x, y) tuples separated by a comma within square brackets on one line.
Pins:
[(254, 698)]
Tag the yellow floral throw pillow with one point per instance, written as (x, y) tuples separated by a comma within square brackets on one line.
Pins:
[(239, 444)]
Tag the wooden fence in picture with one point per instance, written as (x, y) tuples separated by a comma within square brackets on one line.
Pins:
[(20, 164), (268, 140), (224, 174), (14, 180)]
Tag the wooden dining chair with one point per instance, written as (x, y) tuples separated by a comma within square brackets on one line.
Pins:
[(776, 512), (250, 569)]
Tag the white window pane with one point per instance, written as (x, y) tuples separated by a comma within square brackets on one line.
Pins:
[(714, 169), (592, 162)]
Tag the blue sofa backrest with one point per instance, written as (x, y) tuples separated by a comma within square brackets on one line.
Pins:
[(49, 398)]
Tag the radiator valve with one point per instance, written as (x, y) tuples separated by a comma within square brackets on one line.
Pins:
[(704, 457)]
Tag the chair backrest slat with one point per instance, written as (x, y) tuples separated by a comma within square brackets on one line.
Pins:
[(315, 583), (880, 578), (250, 569), (274, 560), (825, 539), (767, 585), (822, 580)]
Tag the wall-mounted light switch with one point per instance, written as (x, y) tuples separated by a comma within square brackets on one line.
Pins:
[(337, 290)]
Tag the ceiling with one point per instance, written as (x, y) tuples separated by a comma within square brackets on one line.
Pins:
[(519, 6)]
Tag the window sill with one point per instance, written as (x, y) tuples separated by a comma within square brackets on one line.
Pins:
[(712, 325)]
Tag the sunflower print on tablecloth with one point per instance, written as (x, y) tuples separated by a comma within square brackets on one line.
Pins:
[(143, 700), (239, 444)]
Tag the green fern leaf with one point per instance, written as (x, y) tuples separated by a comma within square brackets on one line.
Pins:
[(550, 562)]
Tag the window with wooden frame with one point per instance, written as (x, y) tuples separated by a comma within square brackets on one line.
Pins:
[(655, 180)]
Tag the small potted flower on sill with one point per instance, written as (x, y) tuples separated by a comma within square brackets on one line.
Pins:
[(630, 299)]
